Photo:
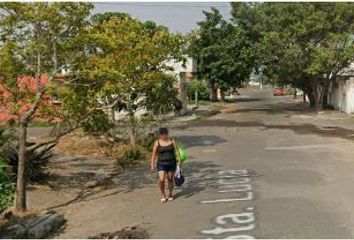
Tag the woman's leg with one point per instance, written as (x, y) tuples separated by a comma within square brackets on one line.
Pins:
[(170, 176), (162, 176)]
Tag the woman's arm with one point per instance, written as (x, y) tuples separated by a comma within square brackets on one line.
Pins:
[(153, 156)]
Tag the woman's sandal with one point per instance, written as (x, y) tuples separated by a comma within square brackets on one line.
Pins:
[(170, 198), (163, 200)]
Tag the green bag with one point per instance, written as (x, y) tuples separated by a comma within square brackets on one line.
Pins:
[(181, 151), (182, 154)]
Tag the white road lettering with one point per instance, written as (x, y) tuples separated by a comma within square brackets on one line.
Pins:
[(234, 172), (240, 237), (221, 230), (239, 218), (249, 196), (237, 182), (235, 188)]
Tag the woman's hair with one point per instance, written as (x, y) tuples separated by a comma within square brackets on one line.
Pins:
[(163, 131)]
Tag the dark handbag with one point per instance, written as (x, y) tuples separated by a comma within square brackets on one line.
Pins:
[(179, 178)]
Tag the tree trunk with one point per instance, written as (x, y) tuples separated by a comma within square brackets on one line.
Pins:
[(20, 198), (113, 114), (213, 92), (222, 96), (325, 96), (132, 133), (183, 92), (312, 100), (55, 58), (316, 98)]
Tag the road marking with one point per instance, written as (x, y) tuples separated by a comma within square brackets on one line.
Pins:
[(249, 196), (300, 147), (237, 181), (235, 188)]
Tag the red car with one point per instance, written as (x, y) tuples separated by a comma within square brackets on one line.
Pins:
[(278, 91)]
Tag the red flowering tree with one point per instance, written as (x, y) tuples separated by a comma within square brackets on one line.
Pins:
[(38, 41)]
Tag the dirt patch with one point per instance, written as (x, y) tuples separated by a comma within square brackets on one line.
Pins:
[(134, 232), (78, 142)]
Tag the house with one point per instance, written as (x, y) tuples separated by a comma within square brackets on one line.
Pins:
[(341, 93), (184, 71)]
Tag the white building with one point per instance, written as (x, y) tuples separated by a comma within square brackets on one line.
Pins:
[(183, 71), (341, 94)]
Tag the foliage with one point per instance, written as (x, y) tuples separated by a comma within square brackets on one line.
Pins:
[(7, 189), (97, 122), (147, 141), (100, 18), (128, 64), (305, 45), (218, 47), (6, 139), (246, 19), (7, 186), (37, 161), (127, 56), (131, 156), (38, 41), (160, 96), (201, 87), (143, 126)]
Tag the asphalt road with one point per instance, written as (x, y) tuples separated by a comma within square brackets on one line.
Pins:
[(253, 172)]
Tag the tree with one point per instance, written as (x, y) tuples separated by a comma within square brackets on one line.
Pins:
[(160, 96), (246, 18), (219, 48), (38, 41), (306, 45), (127, 58)]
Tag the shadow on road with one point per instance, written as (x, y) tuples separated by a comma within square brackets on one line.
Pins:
[(199, 140), (276, 108), (195, 173), (306, 128), (126, 181), (243, 99)]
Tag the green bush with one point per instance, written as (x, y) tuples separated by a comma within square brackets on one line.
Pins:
[(7, 182), (147, 141), (161, 96), (7, 188), (131, 156), (201, 87), (97, 122), (37, 161)]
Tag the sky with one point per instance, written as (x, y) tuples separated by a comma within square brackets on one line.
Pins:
[(179, 17)]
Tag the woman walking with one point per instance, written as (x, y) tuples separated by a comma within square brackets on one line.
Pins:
[(165, 160)]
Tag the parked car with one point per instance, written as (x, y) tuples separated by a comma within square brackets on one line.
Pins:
[(278, 91)]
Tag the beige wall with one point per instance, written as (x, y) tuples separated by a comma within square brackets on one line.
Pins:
[(341, 96)]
